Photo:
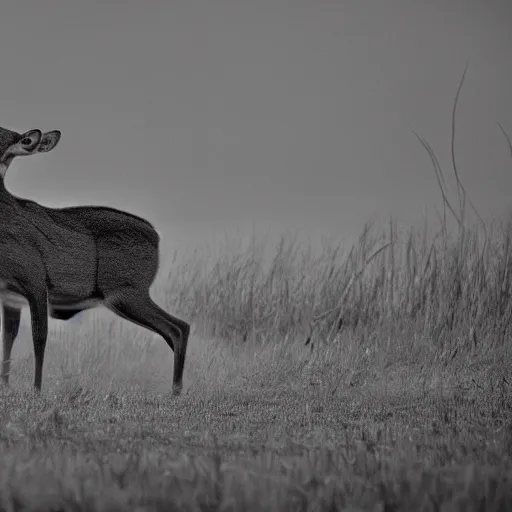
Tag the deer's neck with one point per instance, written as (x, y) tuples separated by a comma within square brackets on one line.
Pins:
[(5, 196)]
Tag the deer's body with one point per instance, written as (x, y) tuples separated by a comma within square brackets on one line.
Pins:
[(60, 261), (85, 250)]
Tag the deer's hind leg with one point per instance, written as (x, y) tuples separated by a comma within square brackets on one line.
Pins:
[(10, 326), (138, 307)]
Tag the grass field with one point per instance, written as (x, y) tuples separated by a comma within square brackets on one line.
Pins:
[(401, 399)]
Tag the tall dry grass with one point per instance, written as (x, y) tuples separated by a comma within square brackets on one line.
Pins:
[(454, 289)]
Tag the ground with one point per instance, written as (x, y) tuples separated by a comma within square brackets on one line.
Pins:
[(259, 426)]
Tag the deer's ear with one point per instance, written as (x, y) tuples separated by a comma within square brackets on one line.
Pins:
[(48, 141)]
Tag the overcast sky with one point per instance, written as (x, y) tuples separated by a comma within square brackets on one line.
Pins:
[(207, 115)]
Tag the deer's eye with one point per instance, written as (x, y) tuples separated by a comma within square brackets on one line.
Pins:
[(26, 141)]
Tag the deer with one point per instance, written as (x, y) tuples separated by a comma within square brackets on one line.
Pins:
[(62, 261)]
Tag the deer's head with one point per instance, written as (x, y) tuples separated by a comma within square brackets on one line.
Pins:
[(13, 144)]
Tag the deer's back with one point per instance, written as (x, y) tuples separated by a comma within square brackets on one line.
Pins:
[(117, 225)]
